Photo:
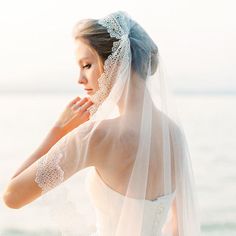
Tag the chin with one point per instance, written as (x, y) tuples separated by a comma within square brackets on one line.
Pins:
[(91, 93)]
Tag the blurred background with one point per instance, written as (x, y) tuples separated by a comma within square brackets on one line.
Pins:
[(38, 77)]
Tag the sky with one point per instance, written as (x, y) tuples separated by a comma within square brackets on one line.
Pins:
[(196, 40)]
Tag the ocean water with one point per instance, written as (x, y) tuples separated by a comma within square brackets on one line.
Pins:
[(210, 128)]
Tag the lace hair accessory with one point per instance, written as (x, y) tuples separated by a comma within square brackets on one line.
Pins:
[(118, 26), (140, 153)]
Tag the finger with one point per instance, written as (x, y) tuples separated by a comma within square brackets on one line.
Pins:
[(82, 101), (79, 104), (83, 107), (86, 106), (75, 100)]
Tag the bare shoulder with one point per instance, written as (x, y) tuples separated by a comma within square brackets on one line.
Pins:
[(108, 139), (98, 141), (110, 131), (162, 117)]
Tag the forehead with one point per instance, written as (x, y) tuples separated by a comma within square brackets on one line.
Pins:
[(83, 50)]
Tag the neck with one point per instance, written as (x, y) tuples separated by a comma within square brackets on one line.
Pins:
[(131, 102)]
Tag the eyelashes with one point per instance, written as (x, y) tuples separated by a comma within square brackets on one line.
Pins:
[(87, 66)]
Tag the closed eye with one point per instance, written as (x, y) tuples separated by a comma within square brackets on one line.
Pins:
[(87, 66)]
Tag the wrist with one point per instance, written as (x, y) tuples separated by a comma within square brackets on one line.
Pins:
[(58, 131)]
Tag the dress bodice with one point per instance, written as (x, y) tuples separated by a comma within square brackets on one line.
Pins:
[(108, 202)]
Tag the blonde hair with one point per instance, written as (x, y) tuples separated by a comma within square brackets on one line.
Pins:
[(142, 46)]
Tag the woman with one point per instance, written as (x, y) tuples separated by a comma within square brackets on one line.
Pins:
[(127, 136)]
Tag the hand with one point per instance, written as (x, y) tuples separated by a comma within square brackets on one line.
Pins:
[(75, 114)]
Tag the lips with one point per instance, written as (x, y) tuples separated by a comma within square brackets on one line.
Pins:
[(88, 90)]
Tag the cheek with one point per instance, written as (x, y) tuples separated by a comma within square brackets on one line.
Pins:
[(94, 75)]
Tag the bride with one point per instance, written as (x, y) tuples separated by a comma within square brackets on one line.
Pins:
[(126, 132)]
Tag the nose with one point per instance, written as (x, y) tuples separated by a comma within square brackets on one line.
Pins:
[(82, 79)]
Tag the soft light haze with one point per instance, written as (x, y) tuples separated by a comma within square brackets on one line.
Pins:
[(195, 38)]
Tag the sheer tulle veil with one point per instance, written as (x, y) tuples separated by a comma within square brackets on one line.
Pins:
[(135, 129)]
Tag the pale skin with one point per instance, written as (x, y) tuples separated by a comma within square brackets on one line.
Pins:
[(22, 188), (23, 181)]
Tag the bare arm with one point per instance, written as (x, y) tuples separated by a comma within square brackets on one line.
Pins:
[(22, 188), (61, 162), (55, 134), (69, 119)]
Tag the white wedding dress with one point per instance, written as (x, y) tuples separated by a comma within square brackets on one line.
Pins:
[(134, 126), (107, 200)]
